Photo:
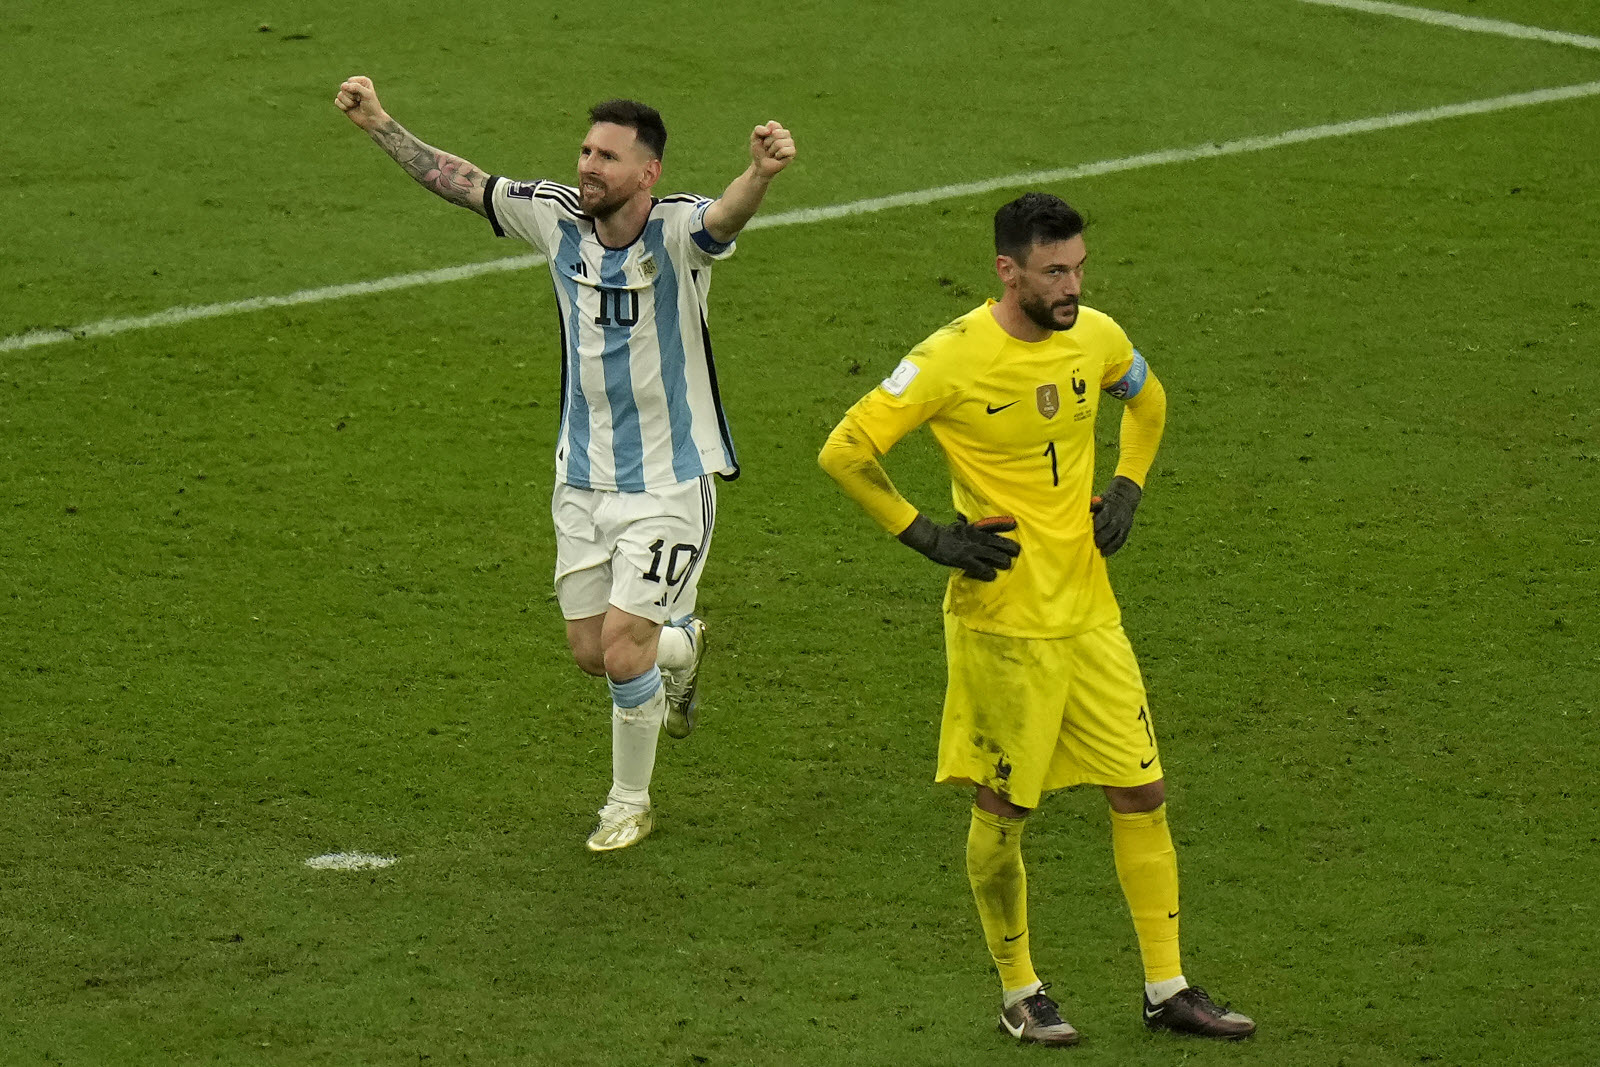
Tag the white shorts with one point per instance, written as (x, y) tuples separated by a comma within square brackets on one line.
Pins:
[(641, 552)]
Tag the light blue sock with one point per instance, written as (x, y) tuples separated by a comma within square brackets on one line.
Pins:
[(635, 691)]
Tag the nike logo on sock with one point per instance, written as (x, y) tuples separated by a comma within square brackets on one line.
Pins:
[(1172, 915), (1013, 937)]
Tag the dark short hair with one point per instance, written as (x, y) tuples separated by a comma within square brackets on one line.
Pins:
[(642, 119), (1033, 218)]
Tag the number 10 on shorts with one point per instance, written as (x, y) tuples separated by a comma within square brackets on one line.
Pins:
[(679, 562)]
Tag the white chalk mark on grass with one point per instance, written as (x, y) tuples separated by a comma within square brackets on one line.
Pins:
[(174, 316), (350, 861), (1209, 150), (1471, 23), (1185, 155)]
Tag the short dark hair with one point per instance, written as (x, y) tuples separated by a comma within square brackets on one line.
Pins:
[(1033, 218), (642, 119)]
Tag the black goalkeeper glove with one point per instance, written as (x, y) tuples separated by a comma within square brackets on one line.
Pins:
[(974, 548), (1113, 513)]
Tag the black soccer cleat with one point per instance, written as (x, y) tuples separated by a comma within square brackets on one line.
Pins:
[(1191, 1011), (1038, 1019)]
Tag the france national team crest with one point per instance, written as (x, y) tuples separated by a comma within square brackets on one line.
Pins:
[(1049, 399)]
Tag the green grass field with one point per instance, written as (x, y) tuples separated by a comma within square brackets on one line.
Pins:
[(275, 584)]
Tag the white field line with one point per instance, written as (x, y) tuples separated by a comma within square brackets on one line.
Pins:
[(191, 313), (1463, 22), (349, 861)]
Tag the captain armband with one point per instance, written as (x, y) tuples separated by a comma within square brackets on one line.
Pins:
[(702, 236), (1128, 386)]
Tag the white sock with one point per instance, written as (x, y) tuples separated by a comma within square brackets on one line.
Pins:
[(634, 732), (1156, 992), (1012, 996), (675, 649)]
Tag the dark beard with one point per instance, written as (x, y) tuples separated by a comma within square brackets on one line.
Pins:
[(604, 209), (1043, 316)]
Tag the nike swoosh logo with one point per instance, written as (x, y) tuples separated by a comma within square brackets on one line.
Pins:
[(1015, 936), (1144, 764), (1002, 407), (1014, 1031), (1148, 1014), (1172, 915)]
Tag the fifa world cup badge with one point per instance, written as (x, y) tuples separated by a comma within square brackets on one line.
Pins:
[(1049, 400)]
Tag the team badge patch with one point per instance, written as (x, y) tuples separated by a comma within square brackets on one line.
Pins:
[(896, 383), (647, 266), (1049, 400)]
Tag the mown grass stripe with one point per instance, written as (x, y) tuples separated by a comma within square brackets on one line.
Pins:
[(1211, 150), (1471, 23)]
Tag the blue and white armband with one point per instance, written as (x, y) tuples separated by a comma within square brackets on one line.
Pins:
[(702, 236), (1127, 387)]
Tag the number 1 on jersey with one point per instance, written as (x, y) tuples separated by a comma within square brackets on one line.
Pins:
[(1055, 473)]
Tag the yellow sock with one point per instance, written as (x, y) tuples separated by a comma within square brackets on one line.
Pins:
[(1147, 867), (1000, 886)]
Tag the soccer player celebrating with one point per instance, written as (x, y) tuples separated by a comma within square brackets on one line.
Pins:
[(642, 426), (1044, 692)]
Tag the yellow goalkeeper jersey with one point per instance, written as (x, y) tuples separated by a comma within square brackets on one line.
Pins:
[(1016, 423)]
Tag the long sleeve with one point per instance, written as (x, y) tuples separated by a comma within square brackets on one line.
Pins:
[(851, 459), (1144, 417)]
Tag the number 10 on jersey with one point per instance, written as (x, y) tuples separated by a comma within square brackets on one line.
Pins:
[(611, 307)]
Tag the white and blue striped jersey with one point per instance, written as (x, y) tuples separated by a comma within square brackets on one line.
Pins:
[(640, 408)]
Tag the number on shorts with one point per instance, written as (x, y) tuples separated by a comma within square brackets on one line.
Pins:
[(680, 561)]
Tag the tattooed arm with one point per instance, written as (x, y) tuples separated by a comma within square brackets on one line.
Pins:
[(448, 176)]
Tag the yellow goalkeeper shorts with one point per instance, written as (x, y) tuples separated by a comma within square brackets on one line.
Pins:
[(1023, 716)]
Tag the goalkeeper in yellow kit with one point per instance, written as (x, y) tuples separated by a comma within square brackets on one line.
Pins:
[(1044, 692)]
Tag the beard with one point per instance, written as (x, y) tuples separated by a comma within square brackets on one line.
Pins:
[(1046, 316), (599, 204)]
